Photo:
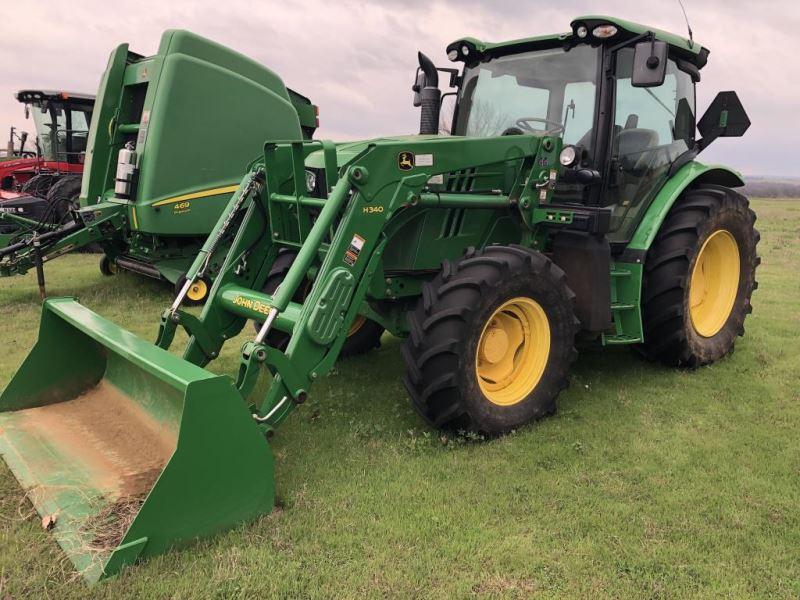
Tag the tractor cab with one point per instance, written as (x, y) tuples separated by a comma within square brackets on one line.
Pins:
[(62, 124), (621, 97)]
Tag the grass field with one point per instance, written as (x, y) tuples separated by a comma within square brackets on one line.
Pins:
[(649, 482)]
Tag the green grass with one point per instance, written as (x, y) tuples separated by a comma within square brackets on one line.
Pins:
[(649, 482)]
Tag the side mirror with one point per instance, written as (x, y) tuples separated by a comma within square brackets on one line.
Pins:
[(649, 64), (724, 117), (27, 110)]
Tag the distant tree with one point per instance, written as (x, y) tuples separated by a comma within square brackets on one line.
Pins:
[(771, 188)]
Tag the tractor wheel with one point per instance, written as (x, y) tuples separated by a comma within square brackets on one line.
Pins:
[(491, 340), (107, 266), (62, 198), (699, 276), (197, 294), (39, 185), (364, 335)]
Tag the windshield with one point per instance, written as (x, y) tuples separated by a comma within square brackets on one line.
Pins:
[(544, 92), (45, 130), (63, 138)]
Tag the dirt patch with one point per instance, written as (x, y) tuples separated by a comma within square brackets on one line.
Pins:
[(105, 433)]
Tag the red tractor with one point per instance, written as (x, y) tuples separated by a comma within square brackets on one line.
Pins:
[(43, 186)]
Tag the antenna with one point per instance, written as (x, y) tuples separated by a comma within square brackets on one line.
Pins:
[(689, 27)]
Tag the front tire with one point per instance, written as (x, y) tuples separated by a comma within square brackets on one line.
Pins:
[(491, 341), (699, 277)]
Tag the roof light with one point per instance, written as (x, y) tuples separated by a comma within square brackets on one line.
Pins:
[(604, 31), (581, 31), (453, 54)]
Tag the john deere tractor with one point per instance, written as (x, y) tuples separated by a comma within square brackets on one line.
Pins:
[(567, 201)]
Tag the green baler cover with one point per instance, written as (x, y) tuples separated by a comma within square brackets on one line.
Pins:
[(210, 111)]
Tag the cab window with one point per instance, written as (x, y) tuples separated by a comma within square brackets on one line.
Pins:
[(542, 92), (652, 127)]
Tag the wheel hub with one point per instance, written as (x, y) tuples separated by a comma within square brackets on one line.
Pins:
[(714, 283), (495, 344), (197, 291), (512, 351)]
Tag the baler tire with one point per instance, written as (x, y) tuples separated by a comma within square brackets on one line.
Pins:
[(107, 267), (367, 337), (670, 333), (450, 320), (39, 185), (187, 301)]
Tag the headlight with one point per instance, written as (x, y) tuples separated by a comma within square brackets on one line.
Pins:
[(311, 180), (568, 156)]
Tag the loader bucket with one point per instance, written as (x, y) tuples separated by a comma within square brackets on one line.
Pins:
[(125, 449)]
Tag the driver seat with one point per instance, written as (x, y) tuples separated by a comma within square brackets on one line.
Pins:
[(632, 147)]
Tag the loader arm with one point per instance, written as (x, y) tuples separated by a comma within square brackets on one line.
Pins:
[(342, 248)]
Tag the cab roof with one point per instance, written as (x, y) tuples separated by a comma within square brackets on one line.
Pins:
[(38, 96), (686, 49)]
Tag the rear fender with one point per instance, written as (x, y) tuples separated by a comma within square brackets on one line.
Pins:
[(690, 174)]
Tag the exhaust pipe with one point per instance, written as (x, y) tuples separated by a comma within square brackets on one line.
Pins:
[(430, 97)]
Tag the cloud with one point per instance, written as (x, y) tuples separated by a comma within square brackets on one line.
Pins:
[(356, 60)]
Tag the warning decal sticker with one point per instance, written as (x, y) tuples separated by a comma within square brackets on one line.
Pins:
[(356, 244)]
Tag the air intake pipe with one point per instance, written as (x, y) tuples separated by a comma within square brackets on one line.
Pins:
[(429, 97)]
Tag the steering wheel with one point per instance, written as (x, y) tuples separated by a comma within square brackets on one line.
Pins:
[(557, 127)]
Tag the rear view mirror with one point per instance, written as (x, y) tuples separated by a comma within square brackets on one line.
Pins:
[(724, 117), (649, 64), (418, 87)]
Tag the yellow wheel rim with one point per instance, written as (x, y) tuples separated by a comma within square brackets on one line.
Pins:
[(197, 291), (714, 283), (358, 323), (512, 351)]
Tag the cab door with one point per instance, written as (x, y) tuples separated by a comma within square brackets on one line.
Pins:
[(651, 128)]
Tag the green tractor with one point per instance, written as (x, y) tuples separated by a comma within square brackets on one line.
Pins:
[(168, 138), (567, 202)]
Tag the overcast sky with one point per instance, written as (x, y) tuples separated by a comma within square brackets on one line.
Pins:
[(356, 59)]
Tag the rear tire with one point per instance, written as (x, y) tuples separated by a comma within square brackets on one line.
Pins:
[(491, 341), (39, 185), (62, 198), (706, 245), (362, 338)]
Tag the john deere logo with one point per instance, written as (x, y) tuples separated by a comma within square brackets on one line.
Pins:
[(405, 161)]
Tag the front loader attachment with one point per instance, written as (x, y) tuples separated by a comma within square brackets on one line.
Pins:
[(125, 449)]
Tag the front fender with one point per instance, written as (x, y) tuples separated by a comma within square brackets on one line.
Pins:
[(690, 173)]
